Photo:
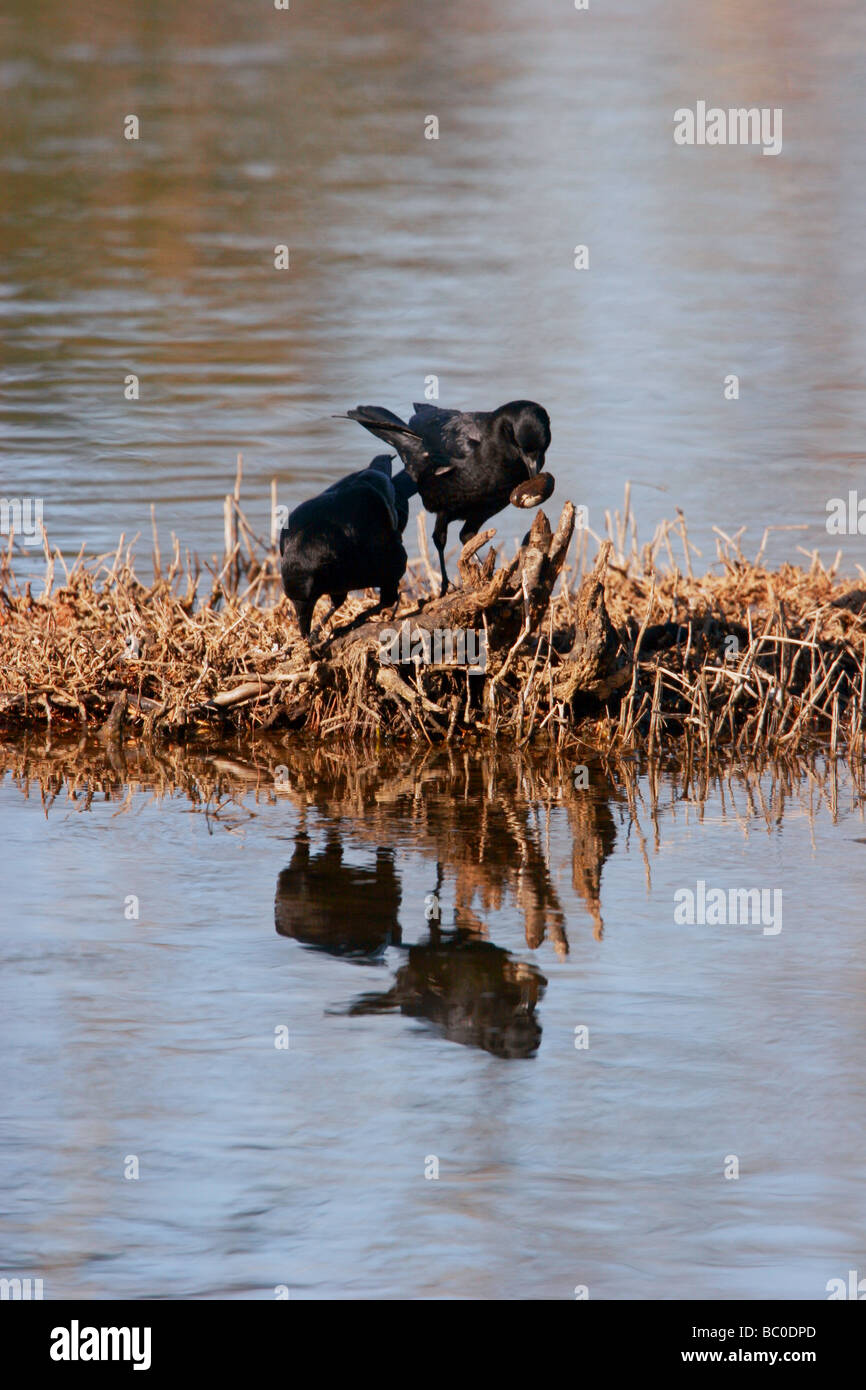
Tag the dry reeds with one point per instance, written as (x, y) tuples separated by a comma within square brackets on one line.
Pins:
[(635, 653)]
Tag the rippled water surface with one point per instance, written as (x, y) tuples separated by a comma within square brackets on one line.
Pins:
[(281, 890), (414, 257), (165, 915)]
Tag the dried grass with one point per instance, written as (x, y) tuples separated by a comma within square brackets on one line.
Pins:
[(637, 653), (483, 820)]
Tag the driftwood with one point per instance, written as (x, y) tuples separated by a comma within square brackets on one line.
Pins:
[(113, 725), (501, 601), (509, 605), (597, 664)]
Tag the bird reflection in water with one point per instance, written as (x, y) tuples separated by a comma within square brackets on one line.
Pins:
[(485, 825), (336, 907), (481, 822), (476, 993)]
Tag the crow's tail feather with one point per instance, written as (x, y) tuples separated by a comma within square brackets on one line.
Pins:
[(409, 444), (381, 422), (394, 431)]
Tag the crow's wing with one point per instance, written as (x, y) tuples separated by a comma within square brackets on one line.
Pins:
[(382, 464), (371, 480), (374, 478), (452, 433)]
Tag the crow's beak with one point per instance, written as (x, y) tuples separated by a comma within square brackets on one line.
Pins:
[(533, 464)]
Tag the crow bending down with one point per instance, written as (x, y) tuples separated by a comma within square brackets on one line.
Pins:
[(465, 463), (349, 537)]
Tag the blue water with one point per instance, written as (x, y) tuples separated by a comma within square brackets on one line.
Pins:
[(151, 1037), (304, 1166), (412, 258)]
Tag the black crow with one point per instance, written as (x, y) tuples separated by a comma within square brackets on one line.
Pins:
[(465, 463), (349, 537)]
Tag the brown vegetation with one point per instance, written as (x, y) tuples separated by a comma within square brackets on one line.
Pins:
[(633, 653)]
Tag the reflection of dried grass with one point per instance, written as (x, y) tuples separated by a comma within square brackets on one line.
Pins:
[(635, 654), (479, 820)]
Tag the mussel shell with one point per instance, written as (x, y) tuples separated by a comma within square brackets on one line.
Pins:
[(534, 491)]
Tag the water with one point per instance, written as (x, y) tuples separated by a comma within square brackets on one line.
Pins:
[(295, 900), (413, 257), (288, 890)]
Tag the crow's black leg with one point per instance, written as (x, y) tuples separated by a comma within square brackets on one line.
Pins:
[(389, 597), (337, 601), (304, 610), (440, 534)]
